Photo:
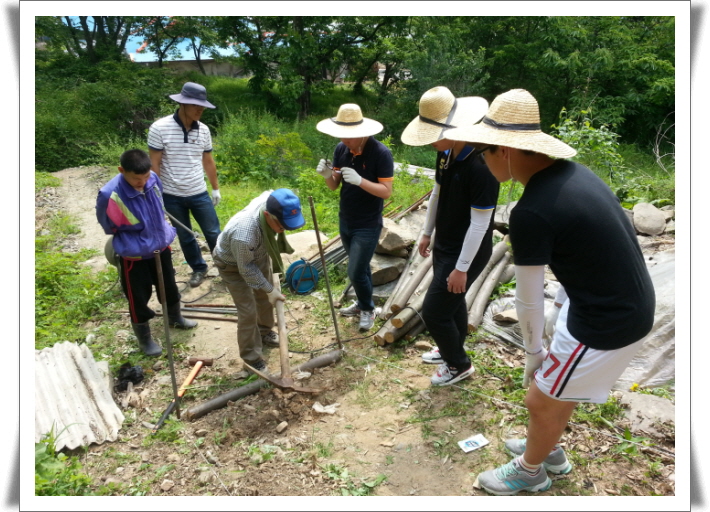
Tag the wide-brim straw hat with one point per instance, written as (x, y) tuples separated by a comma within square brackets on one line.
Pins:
[(513, 120), (439, 111), (349, 123)]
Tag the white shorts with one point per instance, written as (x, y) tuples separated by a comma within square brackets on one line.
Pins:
[(574, 372)]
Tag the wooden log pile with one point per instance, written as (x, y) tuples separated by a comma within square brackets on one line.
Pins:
[(402, 311)]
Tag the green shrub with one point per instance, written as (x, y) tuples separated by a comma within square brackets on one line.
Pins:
[(56, 474), (257, 146), (597, 148)]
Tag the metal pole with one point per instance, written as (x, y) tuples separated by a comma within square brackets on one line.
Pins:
[(163, 303), (325, 273), (183, 226)]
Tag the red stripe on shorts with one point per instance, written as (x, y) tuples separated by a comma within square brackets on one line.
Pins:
[(564, 370)]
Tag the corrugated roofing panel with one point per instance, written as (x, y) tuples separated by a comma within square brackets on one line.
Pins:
[(73, 396)]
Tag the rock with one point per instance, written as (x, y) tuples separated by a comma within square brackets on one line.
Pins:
[(395, 238), (509, 316), (670, 227), (645, 410), (648, 219), (379, 293), (282, 426), (202, 432), (386, 268), (112, 480), (305, 245), (167, 485), (668, 214), (205, 477), (423, 345)]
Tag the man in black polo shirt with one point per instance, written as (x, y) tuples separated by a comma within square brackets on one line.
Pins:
[(569, 219), (365, 169), (180, 149)]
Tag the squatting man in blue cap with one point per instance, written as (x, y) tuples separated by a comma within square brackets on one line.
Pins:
[(247, 254), (181, 155)]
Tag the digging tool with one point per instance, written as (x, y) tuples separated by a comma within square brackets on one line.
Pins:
[(164, 304), (198, 363), (284, 381), (325, 273)]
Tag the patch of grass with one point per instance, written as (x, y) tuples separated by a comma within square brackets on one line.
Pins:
[(57, 474), (170, 432), (348, 486)]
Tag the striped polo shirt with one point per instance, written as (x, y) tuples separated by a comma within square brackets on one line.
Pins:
[(181, 168)]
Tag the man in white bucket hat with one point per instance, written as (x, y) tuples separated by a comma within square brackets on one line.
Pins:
[(180, 149), (461, 208), (364, 169), (569, 219)]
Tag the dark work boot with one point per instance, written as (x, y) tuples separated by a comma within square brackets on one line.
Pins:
[(176, 319), (145, 340)]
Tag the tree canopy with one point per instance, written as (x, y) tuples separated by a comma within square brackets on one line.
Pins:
[(618, 67)]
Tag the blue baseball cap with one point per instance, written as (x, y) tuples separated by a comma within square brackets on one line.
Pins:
[(285, 206)]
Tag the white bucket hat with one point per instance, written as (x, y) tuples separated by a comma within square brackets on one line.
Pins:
[(440, 111), (513, 121), (349, 123)]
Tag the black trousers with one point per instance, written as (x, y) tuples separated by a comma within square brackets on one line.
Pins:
[(445, 313), (137, 280)]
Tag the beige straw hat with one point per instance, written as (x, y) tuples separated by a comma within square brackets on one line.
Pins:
[(439, 110), (513, 120), (349, 123)]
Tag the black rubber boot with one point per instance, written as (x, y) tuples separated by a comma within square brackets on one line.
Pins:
[(145, 340), (176, 319)]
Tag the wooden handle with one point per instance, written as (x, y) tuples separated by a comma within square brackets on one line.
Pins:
[(283, 333)]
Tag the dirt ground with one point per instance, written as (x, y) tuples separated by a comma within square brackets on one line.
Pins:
[(274, 443)]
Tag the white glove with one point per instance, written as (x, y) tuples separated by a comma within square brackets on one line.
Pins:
[(551, 314), (532, 363), (323, 169), (216, 197), (275, 295), (351, 176)]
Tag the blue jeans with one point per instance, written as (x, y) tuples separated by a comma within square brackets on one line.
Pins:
[(360, 245), (203, 211)]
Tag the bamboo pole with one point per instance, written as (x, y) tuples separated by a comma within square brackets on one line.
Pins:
[(475, 315), (414, 260), (415, 331), (396, 333), (415, 305), (499, 250), (405, 294)]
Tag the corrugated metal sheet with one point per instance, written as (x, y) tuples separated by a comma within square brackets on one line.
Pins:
[(73, 396)]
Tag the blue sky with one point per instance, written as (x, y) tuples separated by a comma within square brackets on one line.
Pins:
[(134, 43)]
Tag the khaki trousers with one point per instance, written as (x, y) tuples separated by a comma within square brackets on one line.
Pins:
[(255, 312)]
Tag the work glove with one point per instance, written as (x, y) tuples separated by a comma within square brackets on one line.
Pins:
[(275, 295), (532, 363), (216, 197), (351, 176), (323, 169), (551, 314)]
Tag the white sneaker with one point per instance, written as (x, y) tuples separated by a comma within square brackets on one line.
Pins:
[(367, 320), (446, 375), (433, 356), (352, 310)]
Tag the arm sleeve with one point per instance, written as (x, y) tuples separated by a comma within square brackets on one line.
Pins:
[(480, 219), (530, 304), (430, 221), (102, 214)]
